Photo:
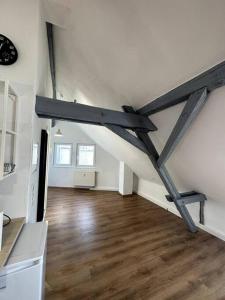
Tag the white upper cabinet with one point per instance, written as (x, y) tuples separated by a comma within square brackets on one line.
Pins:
[(8, 129)]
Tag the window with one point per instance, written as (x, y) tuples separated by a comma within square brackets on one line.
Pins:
[(63, 155), (85, 155)]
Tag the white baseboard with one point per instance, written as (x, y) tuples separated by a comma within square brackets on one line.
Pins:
[(173, 210), (212, 231), (61, 186), (97, 188), (105, 188)]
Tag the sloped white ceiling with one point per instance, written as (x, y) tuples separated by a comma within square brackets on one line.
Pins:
[(116, 52), (139, 49)]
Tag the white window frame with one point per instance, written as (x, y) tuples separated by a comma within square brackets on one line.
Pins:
[(54, 156), (77, 157)]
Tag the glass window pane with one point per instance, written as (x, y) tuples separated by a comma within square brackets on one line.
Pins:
[(86, 155), (62, 154)]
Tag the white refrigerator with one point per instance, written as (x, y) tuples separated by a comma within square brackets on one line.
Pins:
[(23, 277)]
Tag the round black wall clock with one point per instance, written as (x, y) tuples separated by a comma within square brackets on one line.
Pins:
[(8, 52)]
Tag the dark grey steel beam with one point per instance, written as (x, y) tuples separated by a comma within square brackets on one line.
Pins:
[(149, 144), (143, 136), (182, 195), (165, 177), (153, 156), (192, 199), (211, 79), (127, 136), (191, 110), (51, 52), (50, 37), (172, 190), (168, 182), (80, 113), (186, 217), (201, 213)]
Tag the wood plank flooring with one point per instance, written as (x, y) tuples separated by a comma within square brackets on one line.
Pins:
[(104, 246)]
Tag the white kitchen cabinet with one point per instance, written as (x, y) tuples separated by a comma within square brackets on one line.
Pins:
[(8, 129), (23, 276)]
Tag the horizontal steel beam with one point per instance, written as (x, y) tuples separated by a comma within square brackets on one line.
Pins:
[(80, 113), (186, 194), (192, 199), (192, 108), (127, 136), (211, 79)]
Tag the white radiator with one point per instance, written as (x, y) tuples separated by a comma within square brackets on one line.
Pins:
[(84, 179)]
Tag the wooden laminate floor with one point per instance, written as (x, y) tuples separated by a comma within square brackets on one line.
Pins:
[(104, 246)]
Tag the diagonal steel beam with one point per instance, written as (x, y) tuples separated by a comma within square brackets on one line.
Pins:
[(189, 113), (143, 136), (165, 177), (127, 136), (211, 79), (167, 181), (153, 156), (186, 216), (80, 113), (51, 51), (50, 37)]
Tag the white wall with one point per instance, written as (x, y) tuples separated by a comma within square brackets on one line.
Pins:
[(26, 30), (214, 212), (18, 22), (107, 167), (42, 88)]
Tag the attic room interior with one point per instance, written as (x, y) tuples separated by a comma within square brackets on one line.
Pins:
[(111, 150)]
